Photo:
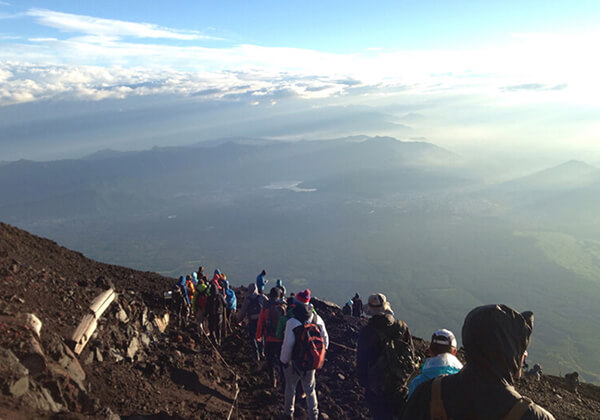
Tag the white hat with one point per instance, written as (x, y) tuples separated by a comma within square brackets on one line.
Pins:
[(444, 337)]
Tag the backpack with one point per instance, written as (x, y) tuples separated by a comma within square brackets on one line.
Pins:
[(254, 307), (309, 349), (231, 299), (201, 296), (289, 313), (438, 411), (390, 372), (190, 287), (276, 313)]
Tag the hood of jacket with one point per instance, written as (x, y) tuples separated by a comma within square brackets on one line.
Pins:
[(495, 338), (303, 312), (252, 290), (382, 321)]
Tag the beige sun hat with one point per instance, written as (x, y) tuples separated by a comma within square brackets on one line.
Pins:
[(377, 305)]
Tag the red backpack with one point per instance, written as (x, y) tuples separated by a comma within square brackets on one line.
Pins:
[(309, 348)]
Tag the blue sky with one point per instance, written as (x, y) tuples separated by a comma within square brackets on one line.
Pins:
[(479, 76)]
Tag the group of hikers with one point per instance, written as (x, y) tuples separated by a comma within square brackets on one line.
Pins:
[(354, 307), (210, 303), (292, 338)]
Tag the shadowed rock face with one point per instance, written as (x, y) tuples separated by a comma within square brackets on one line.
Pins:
[(130, 368)]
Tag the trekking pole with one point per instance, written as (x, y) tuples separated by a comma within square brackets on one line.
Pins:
[(237, 391)]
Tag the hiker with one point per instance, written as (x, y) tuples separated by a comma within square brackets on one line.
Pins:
[(200, 272), (251, 308), (183, 302), (215, 313), (231, 300), (347, 309), (441, 361), (300, 360), (572, 380), (495, 338), (261, 281), (222, 281), (195, 278), (189, 285), (281, 287), (200, 299), (216, 280), (270, 314), (184, 291), (535, 372), (357, 306), (384, 359)]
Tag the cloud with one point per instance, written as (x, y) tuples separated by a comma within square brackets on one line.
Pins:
[(535, 87), (67, 22), (31, 82), (109, 52)]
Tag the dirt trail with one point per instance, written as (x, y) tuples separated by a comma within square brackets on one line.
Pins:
[(130, 369)]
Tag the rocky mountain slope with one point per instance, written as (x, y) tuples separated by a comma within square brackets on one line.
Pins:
[(137, 367)]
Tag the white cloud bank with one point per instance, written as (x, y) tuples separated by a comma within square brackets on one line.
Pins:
[(102, 56), (538, 86)]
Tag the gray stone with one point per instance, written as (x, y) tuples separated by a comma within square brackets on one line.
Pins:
[(133, 347), (145, 339), (98, 354), (122, 316), (144, 316), (108, 414), (116, 355), (19, 386), (14, 377), (70, 363), (40, 398), (89, 359)]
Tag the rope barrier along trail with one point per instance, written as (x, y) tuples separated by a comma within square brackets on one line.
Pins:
[(341, 346), (235, 377)]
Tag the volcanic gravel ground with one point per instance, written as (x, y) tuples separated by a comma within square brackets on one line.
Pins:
[(133, 370)]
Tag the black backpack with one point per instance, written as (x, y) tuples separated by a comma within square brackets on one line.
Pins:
[(389, 374), (276, 311), (255, 306)]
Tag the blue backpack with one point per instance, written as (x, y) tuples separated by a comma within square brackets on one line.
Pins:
[(231, 299)]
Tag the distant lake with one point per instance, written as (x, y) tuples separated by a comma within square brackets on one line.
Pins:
[(288, 185)]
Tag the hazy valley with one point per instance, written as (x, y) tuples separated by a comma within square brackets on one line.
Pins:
[(341, 216)]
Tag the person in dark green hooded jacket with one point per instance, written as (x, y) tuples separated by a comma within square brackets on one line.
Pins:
[(495, 340)]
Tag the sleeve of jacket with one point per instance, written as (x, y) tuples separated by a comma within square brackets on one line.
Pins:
[(324, 333), (362, 359), (407, 337), (288, 341), (244, 308), (264, 313)]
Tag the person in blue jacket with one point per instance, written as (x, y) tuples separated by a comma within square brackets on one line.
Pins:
[(183, 289), (231, 307), (442, 360), (261, 281)]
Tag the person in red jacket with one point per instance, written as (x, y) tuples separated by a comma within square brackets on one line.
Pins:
[(268, 320)]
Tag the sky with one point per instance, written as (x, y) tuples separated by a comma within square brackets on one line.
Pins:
[(479, 78)]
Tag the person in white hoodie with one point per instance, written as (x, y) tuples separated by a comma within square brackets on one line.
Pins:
[(303, 314)]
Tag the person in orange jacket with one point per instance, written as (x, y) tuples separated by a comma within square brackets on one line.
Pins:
[(269, 317)]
